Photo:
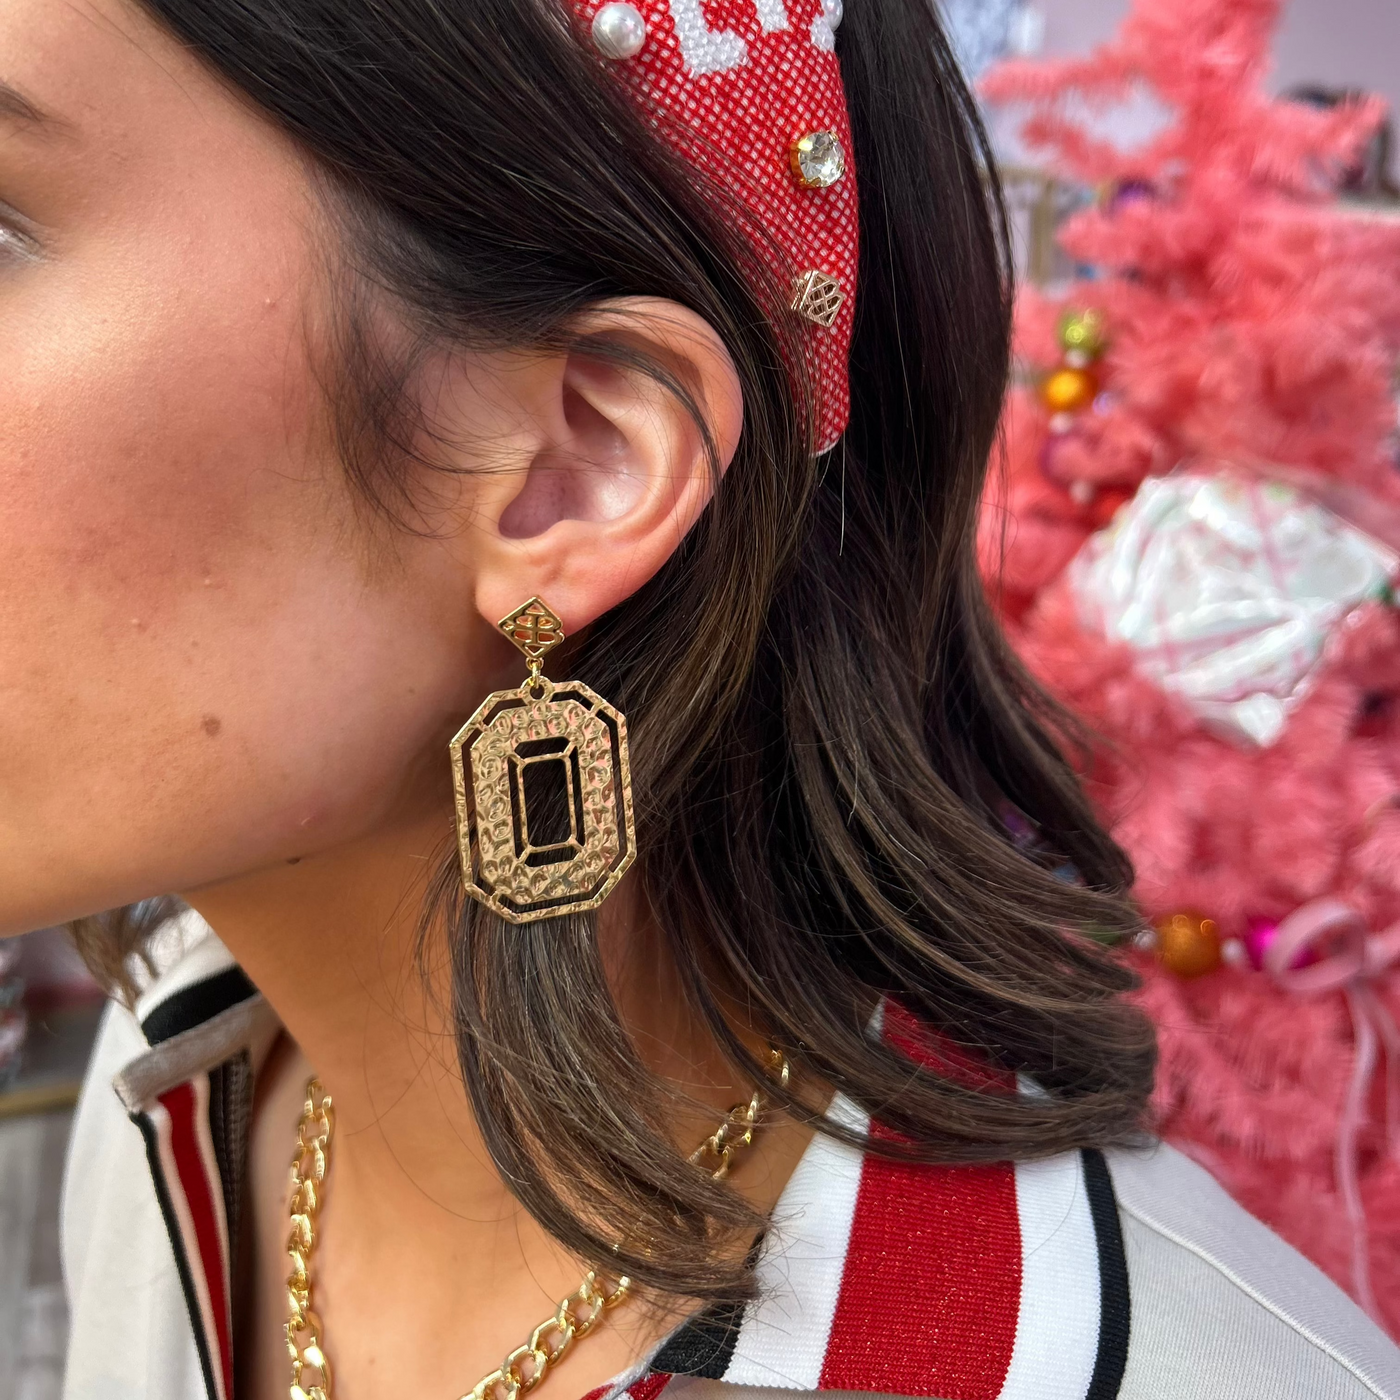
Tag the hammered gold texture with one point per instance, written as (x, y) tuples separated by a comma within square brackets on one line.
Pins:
[(493, 869)]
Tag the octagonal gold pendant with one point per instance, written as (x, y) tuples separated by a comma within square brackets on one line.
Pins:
[(543, 790)]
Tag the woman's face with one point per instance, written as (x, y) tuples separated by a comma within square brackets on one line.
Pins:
[(204, 665)]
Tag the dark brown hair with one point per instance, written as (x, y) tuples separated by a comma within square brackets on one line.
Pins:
[(828, 730)]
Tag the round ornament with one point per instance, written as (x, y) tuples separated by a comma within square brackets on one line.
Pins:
[(1068, 390), (619, 31), (1126, 193), (1188, 944), (1083, 331), (1259, 936)]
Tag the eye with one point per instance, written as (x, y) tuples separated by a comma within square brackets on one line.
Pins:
[(15, 245), (16, 242)]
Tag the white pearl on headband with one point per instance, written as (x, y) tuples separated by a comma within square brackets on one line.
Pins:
[(619, 31), (824, 26)]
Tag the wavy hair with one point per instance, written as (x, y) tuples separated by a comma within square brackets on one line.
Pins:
[(828, 729)]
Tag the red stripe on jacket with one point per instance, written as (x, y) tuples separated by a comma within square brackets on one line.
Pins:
[(931, 1291), (906, 1313), (180, 1104)]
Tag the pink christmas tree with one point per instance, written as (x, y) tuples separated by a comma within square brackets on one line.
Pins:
[(1243, 327)]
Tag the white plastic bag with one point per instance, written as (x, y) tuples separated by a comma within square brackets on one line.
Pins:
[(1227, 587)]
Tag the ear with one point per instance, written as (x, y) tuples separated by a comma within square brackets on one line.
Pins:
[(608, 468)]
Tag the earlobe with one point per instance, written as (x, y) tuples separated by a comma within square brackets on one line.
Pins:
[(621, 470)]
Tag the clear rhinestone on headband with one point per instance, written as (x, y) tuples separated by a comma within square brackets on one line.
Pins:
[(817, 159), (619, 31)]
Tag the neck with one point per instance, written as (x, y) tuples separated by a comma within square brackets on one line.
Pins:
[(332, 941)]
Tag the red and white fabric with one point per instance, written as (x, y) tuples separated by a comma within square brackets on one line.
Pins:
[(190, 1190), (729, 85), (1084, 1277), (998, 1282)]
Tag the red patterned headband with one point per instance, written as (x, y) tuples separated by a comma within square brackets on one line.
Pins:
[(753, 94)]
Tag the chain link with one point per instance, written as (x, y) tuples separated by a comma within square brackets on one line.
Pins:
[(525, 1367), (577, 1316), (716, 1152), (303, 1327)]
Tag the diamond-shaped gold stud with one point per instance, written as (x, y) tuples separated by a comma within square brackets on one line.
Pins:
[(533, 628), (818, 297)]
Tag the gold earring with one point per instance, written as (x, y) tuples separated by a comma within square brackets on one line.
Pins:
[(549, 828)]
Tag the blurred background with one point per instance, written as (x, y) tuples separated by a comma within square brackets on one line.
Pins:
[(1317, 47), (1193, 534), (49, 1009)]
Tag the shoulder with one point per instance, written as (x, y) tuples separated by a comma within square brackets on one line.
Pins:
[(119, 1276), (1085, 1277), (105, 1154), (129, 1336), (1221, 1306)]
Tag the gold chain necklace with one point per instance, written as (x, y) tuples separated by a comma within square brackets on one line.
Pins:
[(527, 1365)]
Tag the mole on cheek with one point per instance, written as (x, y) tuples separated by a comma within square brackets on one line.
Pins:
[(211, 724)]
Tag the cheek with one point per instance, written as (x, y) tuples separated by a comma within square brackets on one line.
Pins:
[(131, 427), (197, 672)]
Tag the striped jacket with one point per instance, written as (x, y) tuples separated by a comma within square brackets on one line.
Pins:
[(1086, 1277)]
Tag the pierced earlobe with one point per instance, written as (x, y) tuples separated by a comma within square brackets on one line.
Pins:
[(548, 830)]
